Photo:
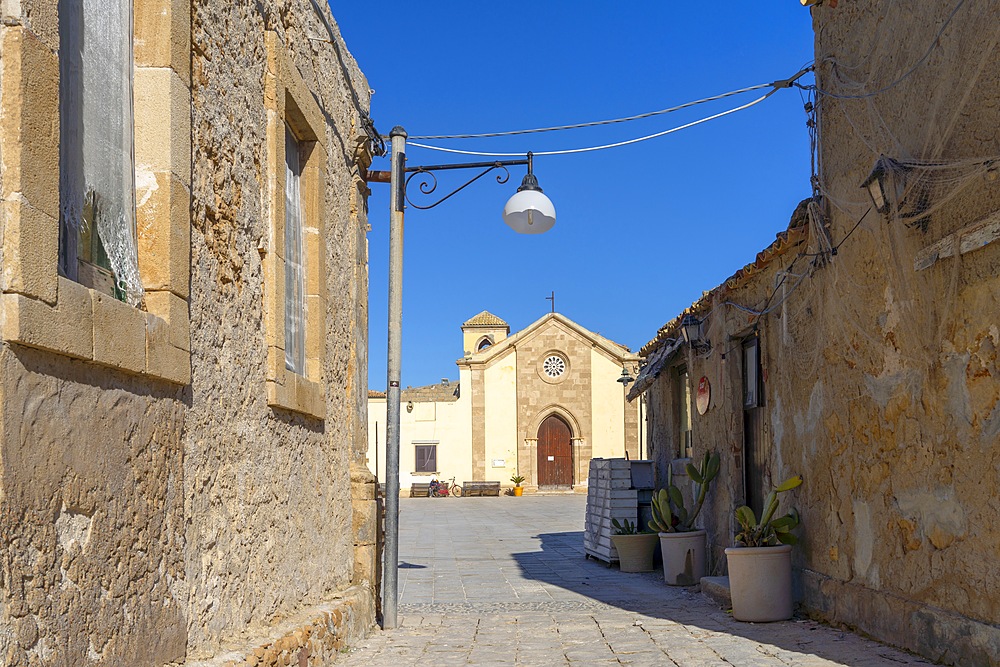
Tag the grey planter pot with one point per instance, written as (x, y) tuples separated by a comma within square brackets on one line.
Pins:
[(635, 552), (683, 557), (760, 583)]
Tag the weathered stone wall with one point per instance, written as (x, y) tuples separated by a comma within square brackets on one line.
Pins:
[(881, 376), (908, 399), (269, 491), (151, 521), (92, 517)]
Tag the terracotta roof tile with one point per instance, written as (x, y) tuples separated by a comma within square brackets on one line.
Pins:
[(485, 319)]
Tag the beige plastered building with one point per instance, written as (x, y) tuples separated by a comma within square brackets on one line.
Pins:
[(183, 321), (539, 403), (873, 371)]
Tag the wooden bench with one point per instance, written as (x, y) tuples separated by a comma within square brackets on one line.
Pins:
[(420, 490), (480, 489)]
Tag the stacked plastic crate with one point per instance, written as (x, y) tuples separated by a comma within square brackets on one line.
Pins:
[(609, 496)]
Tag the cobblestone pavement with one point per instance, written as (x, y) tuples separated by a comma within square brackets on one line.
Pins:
[(493, 581)]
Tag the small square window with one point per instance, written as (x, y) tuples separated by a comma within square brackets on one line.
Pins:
[(426, 458)]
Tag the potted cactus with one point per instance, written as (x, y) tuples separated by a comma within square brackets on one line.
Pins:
[(760, 565), (635, 547), (517, 479), (682, 544)]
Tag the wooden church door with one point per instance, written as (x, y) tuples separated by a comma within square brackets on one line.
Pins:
[(555, 453)]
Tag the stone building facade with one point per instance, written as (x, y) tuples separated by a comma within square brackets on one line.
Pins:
[(175, 485), (539, 403), (860, 349)]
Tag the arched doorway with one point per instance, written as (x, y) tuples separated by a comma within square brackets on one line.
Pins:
[(555, 453)]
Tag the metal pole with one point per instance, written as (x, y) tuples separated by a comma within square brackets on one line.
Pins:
[(642, 397), (390, 572), (625, 417)]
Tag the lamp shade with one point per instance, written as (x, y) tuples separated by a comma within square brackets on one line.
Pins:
[(691, 329), (529, 211)]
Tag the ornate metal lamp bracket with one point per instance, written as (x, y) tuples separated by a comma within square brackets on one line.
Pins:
[(429, 182)]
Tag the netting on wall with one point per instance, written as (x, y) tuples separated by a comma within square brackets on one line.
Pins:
[(920, 113), (97, 172)]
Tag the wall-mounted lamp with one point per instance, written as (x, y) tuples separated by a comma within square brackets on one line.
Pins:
[(409, 406), (885, 185), (692, 333)]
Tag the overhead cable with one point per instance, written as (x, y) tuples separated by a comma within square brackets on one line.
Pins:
[(577, 126), (616, 144)]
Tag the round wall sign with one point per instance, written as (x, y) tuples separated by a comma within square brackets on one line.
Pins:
[(704, 395)]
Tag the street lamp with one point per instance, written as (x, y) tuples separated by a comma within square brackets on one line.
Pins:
[(626, 379), (529, 211)]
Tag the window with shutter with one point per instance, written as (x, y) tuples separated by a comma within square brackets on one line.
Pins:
[(426, 458)]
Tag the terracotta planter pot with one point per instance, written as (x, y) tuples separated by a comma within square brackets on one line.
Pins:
[(683, 557), (518, 490), (635, 552), (760, 583)]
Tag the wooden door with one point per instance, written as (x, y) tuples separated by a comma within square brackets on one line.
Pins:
[(555, 453)]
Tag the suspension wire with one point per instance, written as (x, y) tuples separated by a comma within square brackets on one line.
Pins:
[(557, 128), (934, 44), (616, 144)]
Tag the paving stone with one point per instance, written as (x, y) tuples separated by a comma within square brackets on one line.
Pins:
[(504, 581)]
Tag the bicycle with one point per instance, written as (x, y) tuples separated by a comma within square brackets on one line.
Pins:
[(445, 489)]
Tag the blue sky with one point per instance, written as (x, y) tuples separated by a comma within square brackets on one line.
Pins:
[(641, 230)]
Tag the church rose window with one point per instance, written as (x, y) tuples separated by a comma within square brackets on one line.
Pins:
[(554, 366)]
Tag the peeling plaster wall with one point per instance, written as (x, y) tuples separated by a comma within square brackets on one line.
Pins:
[(92, 519), (882, 381)]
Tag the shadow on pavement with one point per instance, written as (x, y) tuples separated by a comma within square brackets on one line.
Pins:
[(403, 565), (562, 563)]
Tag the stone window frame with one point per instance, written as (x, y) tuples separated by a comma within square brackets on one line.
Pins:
[(40, 308), (289, 102)]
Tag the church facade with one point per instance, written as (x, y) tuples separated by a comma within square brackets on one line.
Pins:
[(539, 403)]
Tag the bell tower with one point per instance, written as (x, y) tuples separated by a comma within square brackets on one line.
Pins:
[(481, 331)]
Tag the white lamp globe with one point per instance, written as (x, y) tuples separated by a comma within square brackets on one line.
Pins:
[(529, 211)]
